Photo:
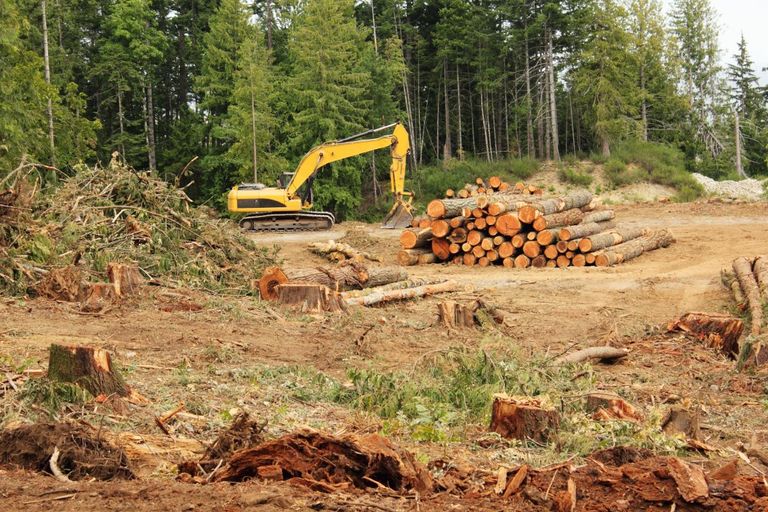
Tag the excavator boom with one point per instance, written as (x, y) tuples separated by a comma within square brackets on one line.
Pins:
[(282, 209)]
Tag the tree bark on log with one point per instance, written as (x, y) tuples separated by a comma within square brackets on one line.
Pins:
[(310, 297), (599, 216), (90, 368), (634, 248), (601, 353), (415, 239), (399, 285), (614, 237), (523, 419), (566, 218), (582, 230), (576, 199), (742, 267), (347, 276), (378, 297), (444, 208), (761, 275), (718, 331), (409, 257)]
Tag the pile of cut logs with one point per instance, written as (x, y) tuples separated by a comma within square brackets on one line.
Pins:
[(494, 184), (510, 229)]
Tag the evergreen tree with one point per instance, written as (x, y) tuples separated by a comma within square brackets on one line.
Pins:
[(23, 93), (604, 78), (327, 93), (250, 118)]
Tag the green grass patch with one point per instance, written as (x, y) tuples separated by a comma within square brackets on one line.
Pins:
[(655, 163), (573, 176)]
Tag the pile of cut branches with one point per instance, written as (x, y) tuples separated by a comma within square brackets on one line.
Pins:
[(100, 215)]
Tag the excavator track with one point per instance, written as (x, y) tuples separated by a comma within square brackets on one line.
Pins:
[(287, 222)]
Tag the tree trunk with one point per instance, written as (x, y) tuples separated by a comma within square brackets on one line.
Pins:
[(90, 368), (737, 136), (373, 25), (582, 230), (528, 101), (460, 151), (408, 293), (309, 297), (565, 218), (523, 419), (270, 22), (151, 126), (552, 99), (414, 239), (447, 149), (121, 121), (47, 63), (253, 139), (634, 248), (742, 267), (614, 237)]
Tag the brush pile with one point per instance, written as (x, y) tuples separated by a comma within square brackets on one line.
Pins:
[(101, 215), (514, 229)]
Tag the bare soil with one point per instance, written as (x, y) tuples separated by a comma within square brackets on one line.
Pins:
[(186, 346)]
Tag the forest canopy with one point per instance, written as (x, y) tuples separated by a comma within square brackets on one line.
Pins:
[(248, 87)]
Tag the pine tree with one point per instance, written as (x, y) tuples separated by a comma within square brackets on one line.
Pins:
[(604, 77), (23, 94), (250, 117), (327, 93)]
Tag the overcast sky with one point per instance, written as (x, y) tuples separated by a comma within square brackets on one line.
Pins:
[(749, 17)]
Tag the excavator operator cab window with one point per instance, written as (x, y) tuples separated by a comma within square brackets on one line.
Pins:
[(285, 178)]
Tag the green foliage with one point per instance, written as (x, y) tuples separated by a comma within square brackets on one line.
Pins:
[(574, 176), (636, 161), (431, 181), (53, 395)]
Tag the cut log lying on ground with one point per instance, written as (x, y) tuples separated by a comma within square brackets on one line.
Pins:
[(415, 238), (718, 331), (634, 248), (399, 285), (453, 314), (730, 282), (309, 297), (602, 353), (346, 276), (610, 238), (409, 257), (90, 368), (380, 296), (333, 248), (761, 275), (742, 267), (523, 418)]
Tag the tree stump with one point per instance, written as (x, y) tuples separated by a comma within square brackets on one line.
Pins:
[(523, 418), (270, 280), (126, 278), (96, 296), (90, 368), (609, 406), (682, 420), (718, 331), (309, 297)]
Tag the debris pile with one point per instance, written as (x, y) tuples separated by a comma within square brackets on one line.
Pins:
[(324, 463), (505, 228), (81, 453), (115, 214)]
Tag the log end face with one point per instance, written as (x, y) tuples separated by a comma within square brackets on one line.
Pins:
[(436, 209)]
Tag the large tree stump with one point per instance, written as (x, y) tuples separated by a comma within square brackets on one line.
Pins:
[(718, 331), (126, 279), (524, 418), (310, 297), (90, 368)]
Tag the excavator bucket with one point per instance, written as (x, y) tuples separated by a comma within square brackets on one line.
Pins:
[(399, 216)]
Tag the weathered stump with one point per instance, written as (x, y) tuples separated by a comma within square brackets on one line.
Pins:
[(523, 418), (90, 368), (126, 279)]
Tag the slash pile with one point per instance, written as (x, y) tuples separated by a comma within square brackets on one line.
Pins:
[(510, 229)]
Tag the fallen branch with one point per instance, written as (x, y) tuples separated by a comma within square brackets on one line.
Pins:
[(602, 353), (378, 297)]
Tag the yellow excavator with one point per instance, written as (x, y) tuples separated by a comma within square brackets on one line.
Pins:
[(282, 208)]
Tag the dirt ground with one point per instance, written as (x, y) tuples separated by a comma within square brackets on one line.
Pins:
[(182, 346)]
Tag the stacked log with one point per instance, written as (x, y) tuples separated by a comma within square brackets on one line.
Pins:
[(503, 227), (494, 184)]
